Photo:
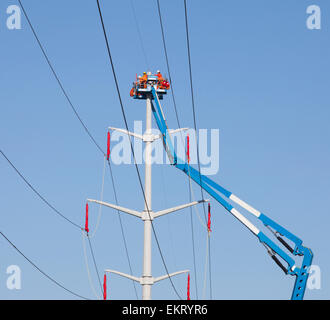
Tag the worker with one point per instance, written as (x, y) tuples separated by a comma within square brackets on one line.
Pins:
[(144, 79), (160, 80), (159, 76)]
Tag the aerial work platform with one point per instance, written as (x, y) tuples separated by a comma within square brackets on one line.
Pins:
[(287, 249), (283, 247), (142, 86)]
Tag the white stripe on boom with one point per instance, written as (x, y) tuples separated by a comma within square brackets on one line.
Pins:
[(245, 221), (244, 205)]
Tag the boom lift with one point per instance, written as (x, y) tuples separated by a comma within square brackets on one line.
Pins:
[(280, 257)]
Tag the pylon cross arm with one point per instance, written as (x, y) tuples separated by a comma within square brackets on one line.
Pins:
[(146, 280), (170, 275), (180, 207), (125, 275), (146, 137), (136, 135), (114, 206)]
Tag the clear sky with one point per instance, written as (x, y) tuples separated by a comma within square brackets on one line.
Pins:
[(260, 77)]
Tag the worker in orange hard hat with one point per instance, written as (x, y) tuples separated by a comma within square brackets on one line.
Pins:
[(144, 79), (160, 79), (145, 76)]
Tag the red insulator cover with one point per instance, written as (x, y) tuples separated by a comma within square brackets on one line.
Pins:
[(105, 287), (188, 149), (86, 221), (209, 219), (188, 287), (108, 146)]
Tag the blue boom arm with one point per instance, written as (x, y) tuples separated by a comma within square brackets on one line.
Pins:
[(287, 253)]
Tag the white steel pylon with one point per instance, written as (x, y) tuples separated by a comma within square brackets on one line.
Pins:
[(147, 280)]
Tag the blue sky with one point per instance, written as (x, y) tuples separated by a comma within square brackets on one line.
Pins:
[(260, 77)]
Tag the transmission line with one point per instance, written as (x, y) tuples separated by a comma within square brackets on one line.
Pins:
[(168, 65), (38, 194), (58, 79), (95, 265), (122, 230), (36, 267), (178, 122), (195, 125), (132, 150), (139, 35), (71, 105)]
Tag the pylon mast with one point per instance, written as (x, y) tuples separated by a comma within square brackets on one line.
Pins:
[(147, 275)]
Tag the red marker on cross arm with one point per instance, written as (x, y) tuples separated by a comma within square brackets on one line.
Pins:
[(86, 221), (108, 146), (209, 219), (188, 149), (188, 287), (105, 287)]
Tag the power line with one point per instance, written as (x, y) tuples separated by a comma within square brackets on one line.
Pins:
[(168, 66), (132, 150), (194, 117), (178, 122), (122, 230), (193, 101), (98, 220), (73, 108), (58, 79), (55, 210), (64, 217), (172, 88), (83, 234), (38, 194), (95, 265), (139, 35), (193, 245), (36, 267), (210, 269)]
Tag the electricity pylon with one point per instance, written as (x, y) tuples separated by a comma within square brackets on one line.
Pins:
[(147, 215)]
